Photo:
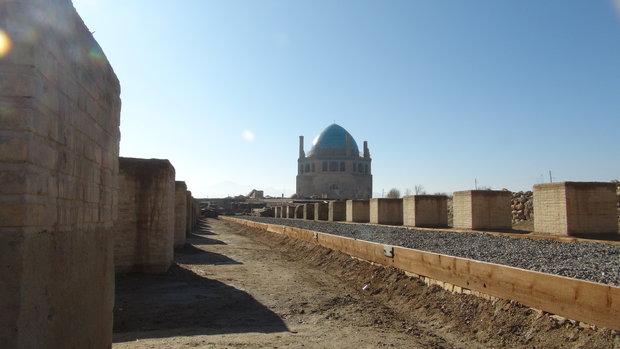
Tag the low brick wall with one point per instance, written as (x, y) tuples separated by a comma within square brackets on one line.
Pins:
[(144, 232)]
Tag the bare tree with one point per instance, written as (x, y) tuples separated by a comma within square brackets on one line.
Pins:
[(407, 192), (393, 193), (419, 189)]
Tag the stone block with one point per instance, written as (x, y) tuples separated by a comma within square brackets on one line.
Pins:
[(425, 211), (337, 211), (56, 219), (299, 211), (290, 211), (189, 213), (309, 211), (358, 211), (180, 213), (321, 211), (386, 211), (574, 208), (144, 232), (482, 209)]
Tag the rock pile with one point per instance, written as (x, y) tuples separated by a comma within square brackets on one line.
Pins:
[(522, 206)]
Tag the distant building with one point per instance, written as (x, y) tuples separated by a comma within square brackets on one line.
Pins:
[(256, 194), (334, 168)]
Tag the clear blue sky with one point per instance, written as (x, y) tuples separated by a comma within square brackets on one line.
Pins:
[(445, 92)]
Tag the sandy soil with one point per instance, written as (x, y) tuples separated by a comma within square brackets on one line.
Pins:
[(237, 287)]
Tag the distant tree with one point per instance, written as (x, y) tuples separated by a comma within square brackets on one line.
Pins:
[(407, 192), (419, 189), (393, 193)]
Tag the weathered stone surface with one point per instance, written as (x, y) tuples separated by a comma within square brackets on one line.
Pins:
[(309, 211), (190, 213), (425, 210), (337, 211), (386, 211), (180, 213), (321, 211), (299, 211), (59, 141), (482, 209), (144, 232), (568, 208), (290, 211), (358, 211)]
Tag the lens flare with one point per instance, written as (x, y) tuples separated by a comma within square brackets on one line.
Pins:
[(5, 43), (248, 135), (96, 56)]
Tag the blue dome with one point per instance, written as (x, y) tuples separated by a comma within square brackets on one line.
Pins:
[(333, 141)]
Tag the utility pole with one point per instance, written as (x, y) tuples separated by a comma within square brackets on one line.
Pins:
[(476, 183), (550, 178)]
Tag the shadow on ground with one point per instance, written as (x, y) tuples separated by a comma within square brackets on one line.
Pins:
[(182, 302), (196, 239), (191, 254)]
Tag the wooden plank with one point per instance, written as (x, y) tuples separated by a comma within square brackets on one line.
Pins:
[(366, 250), (572, 298), (585, 301)]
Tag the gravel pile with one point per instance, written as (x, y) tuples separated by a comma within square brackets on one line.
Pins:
[(581, 260)]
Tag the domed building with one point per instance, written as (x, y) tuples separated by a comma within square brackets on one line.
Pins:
[(334, 168)]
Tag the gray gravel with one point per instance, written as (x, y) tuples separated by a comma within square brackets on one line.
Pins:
[(581, 260)]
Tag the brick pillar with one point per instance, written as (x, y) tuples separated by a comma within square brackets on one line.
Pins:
[(145, 229), (180, 213), (59, 142)]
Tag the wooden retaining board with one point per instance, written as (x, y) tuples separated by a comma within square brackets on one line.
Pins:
[(590, 302)]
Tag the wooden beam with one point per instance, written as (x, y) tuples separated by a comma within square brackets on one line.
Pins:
[(590, 302)]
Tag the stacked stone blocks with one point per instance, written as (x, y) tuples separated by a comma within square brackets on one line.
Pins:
[(59, 143), (145, 229), (180, 213), (386, 211), (358, 211), (425, 211), (299, 211), (321, 211), (570, 208), (482, 209), (308, 211), (337, 211)]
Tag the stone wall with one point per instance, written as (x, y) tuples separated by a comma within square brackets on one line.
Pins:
[(180, 213), (144, 232), (59, 143), (522, 206)]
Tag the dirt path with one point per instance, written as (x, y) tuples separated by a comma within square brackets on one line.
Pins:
[(236, 287)]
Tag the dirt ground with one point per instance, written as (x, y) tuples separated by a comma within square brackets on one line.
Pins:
[(238, 287)]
